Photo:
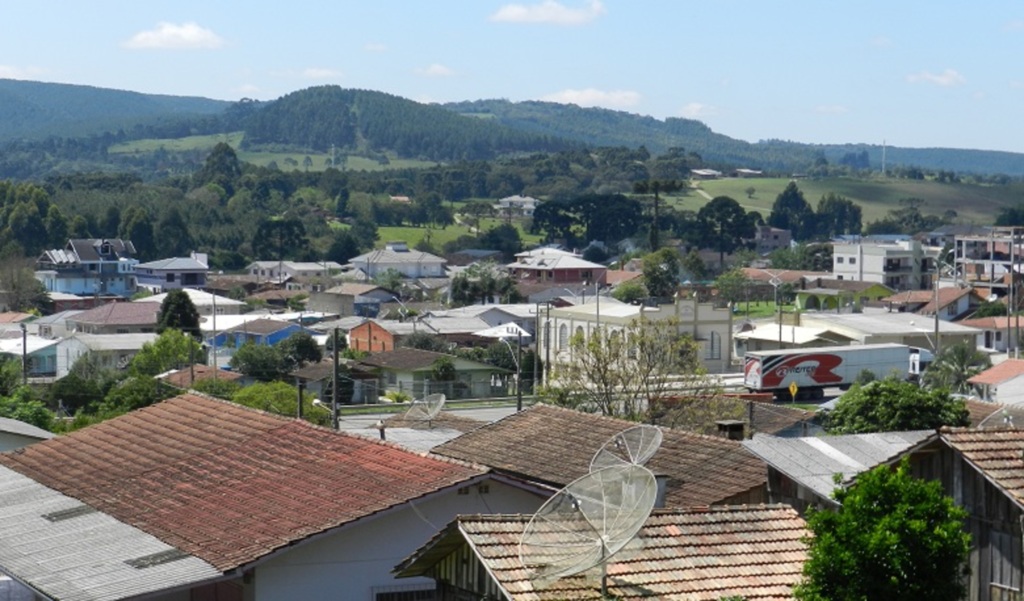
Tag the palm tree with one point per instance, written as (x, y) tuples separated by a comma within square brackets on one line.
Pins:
[(954, 365)]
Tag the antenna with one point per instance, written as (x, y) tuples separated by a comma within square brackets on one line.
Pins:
[(425, 409), (633, 446), (587, 522)]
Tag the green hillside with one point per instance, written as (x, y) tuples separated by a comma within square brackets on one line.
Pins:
[(972, 203)]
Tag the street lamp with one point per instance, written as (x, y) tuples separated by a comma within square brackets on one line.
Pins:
[(776, 281), (936, 345), (517, 358)]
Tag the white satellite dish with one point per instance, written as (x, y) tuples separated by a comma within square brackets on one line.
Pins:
[(425, 409), (632, 446), (583, 525)]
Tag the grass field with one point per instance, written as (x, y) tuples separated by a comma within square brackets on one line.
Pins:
[(286, 161), (972, 203)]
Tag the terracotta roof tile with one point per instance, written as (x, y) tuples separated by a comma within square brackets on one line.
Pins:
[(997, 374), (226, 483), (554, 446), (404, 359), (754, 552), (183, 378), (997, 452), (116, 313)]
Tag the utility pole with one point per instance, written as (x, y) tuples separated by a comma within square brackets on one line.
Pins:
[(334, 385), (519, 370)]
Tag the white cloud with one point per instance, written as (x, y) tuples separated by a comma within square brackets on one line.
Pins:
[(435, 70), (320, 73), (696, 110), (169, 36), (947, 78), (831, 109), (549, 12), (12, 72), (615, 99), (248, 89)]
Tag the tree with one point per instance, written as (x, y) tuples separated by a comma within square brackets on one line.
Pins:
[(630, 292), (172, 234), (221, 168), (425, 341), (725, 226), (299, 349), (791, 211), (954, 366), (750, 191), (661, 272), (177, 311), (990, 309), (172, 349), (894, 405), (655, 187), (134, 392), (344, 246), (23, 406), (279, 239), (260, 361), (623, 371), (733, 286), (893, 537), (218, 387), (836, 215), (443, 370)]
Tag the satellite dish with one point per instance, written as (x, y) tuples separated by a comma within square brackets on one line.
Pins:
[(425, 409), (992, 298), (632, 446), (584, 524)]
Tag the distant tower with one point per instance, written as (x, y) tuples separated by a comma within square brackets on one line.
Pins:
[(883, 158)]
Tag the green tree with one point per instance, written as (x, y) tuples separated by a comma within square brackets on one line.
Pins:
[(791, 211), (630, 292), (656, 187), (661, 272), (894, 405), (218, 387), (733, 286), (279, 398), (299, 349), (954, 366), (343, 247), (173, 238), (836, 215), (177, 311), (222, 168), (990, 309), (172, 349), (134, 392), (425, 341), (443, 370), (893, 537), (279, 239), (24, 406), (725, 226), (260, 361), (694, 266)]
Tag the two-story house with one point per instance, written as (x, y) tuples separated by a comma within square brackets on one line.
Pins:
[(171, 274), (89, 266), (555, 266), (397, 256)]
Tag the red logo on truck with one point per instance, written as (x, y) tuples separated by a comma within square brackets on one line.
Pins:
[(818, 367)]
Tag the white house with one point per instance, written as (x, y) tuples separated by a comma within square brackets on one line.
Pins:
[(172, 274), (517, 205), (205, 302), (110, 351), (89, 266), (899, 264), (279, 271), (397, 256)]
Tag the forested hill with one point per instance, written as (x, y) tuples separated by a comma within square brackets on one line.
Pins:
[(603, 127), (36, 110), (317, 118)]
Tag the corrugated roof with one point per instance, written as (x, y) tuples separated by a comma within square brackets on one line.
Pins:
[(813, 462), (14, 426), (174, 264), (554, 446), (997, 452), (114, 342), (229, 484), (70, 551), (198, 298), (753, 552)]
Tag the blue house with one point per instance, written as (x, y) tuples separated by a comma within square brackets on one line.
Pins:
[(259, 331)]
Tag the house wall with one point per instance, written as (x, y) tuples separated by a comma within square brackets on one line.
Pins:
[(370, 337), (900, 266), (158, 282), (70, 350), (1010, 392), (351, 562)]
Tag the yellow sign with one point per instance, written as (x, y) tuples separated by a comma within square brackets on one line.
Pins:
[(793, 388)]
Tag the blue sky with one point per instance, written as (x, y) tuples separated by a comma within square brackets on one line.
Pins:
[(912, 73)]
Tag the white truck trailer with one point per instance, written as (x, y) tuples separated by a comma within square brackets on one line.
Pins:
[(814, 369)]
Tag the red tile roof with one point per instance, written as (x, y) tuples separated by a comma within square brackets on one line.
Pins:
[(554, 446), (1000, 322), (997, 374), (229, 484), (135, 314), (183, 378), (996, 452), (753, 552)]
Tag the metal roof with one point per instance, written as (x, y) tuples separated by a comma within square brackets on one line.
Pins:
[(114, 342), (814, 462), (67, 550)]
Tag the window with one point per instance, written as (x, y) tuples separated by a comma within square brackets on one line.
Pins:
[(413, 592), (951, 309), (853, 260), (714, 347), (170, 277), (840, 260), (392, 378), (563, 337)]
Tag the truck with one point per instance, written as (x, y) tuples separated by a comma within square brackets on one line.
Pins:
[(814, 369)]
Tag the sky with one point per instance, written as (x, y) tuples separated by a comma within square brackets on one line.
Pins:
[(910, 73)]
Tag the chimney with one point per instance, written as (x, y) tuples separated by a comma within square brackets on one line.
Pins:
[(730, 428)]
